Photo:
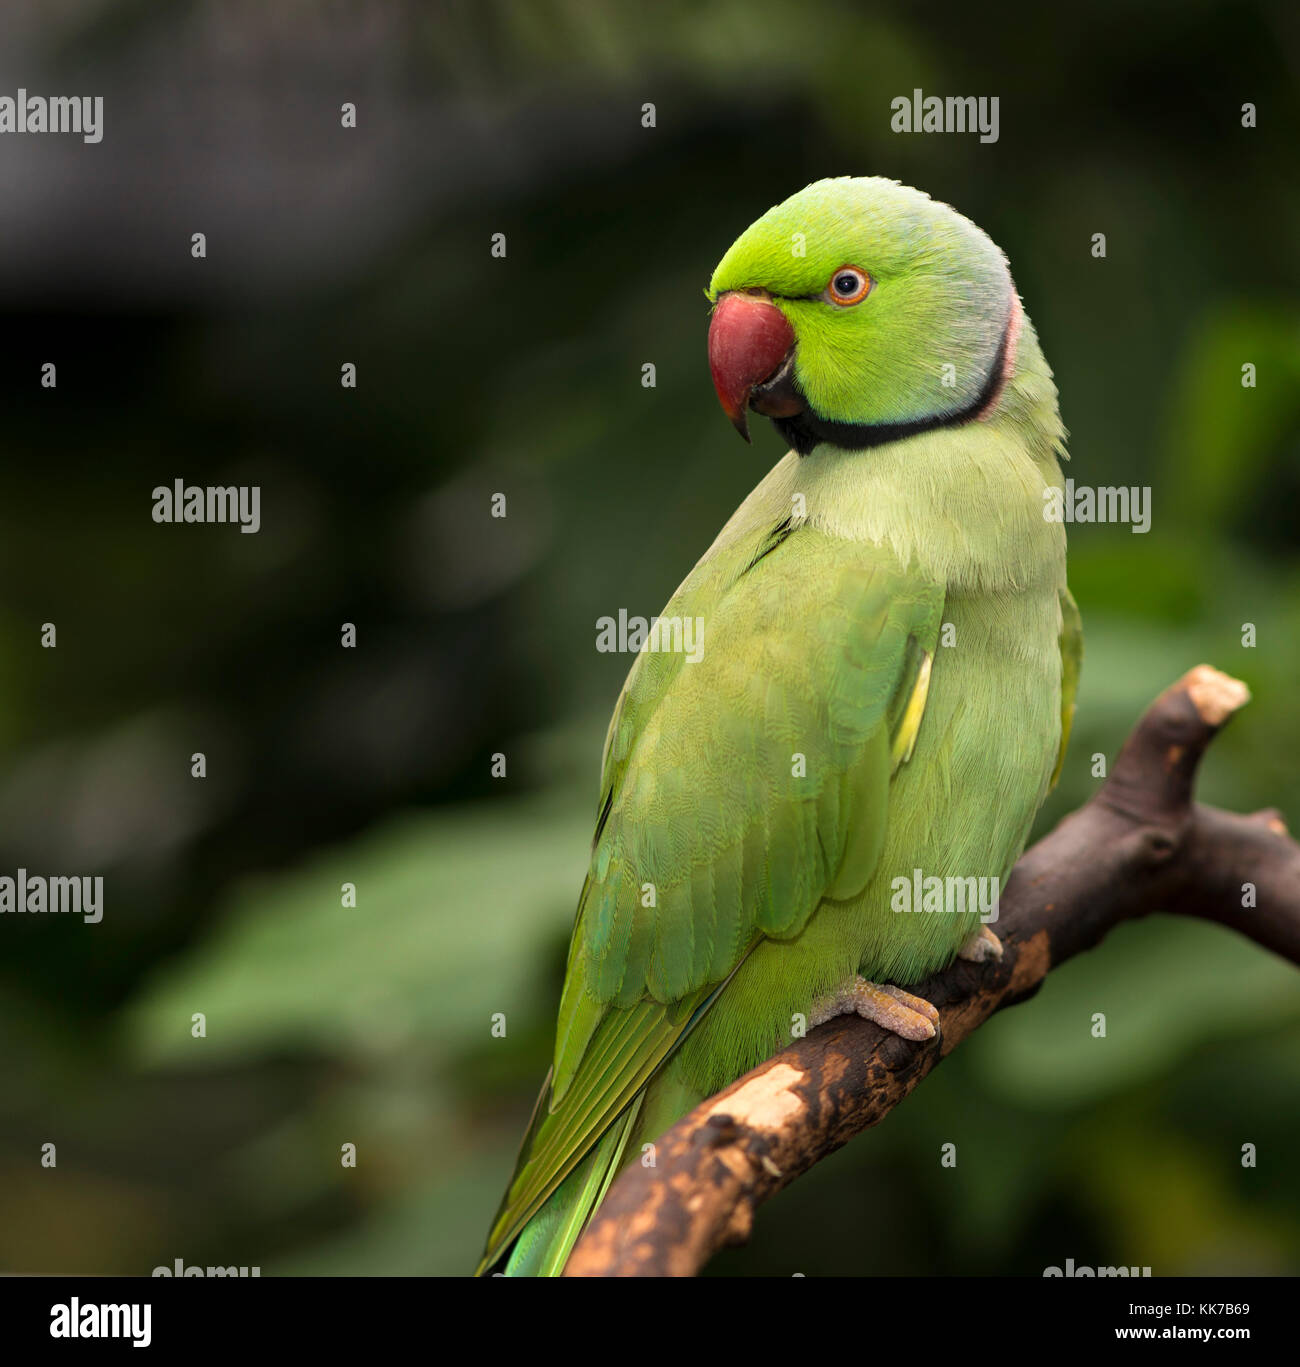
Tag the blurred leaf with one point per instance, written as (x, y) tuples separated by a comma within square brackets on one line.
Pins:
[(1166, 987), (454, 913)]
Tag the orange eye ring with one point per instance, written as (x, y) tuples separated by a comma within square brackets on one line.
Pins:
[(848, 285)]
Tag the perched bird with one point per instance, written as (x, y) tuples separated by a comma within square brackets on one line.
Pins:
[(886, 685)]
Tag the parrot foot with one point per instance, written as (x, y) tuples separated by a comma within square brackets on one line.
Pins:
[(889, 1006), (981, 947)]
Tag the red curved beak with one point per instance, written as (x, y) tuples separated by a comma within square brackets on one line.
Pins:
[(749, 341)]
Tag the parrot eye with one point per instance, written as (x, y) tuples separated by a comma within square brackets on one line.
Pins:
[(848, 285)]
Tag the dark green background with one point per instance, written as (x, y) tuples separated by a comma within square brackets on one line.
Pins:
[(329, 1025)]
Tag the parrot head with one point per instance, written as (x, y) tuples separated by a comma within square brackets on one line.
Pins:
[(861, 311)]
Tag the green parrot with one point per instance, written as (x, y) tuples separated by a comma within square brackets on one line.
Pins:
[(886, 685)]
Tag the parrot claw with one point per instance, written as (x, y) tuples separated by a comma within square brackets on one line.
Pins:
[(981, 947), (888, 1006)]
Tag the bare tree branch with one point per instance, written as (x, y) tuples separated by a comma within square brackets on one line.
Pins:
[(1140, 845)]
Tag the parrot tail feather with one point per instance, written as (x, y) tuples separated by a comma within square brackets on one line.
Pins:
[(548, 1238)]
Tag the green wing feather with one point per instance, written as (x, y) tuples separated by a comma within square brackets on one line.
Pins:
[(1071, 663), (709, 833)]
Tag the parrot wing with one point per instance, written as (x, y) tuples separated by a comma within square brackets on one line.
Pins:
[(739, 789)]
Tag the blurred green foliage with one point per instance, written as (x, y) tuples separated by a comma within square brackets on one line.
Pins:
[(329, 1024)]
